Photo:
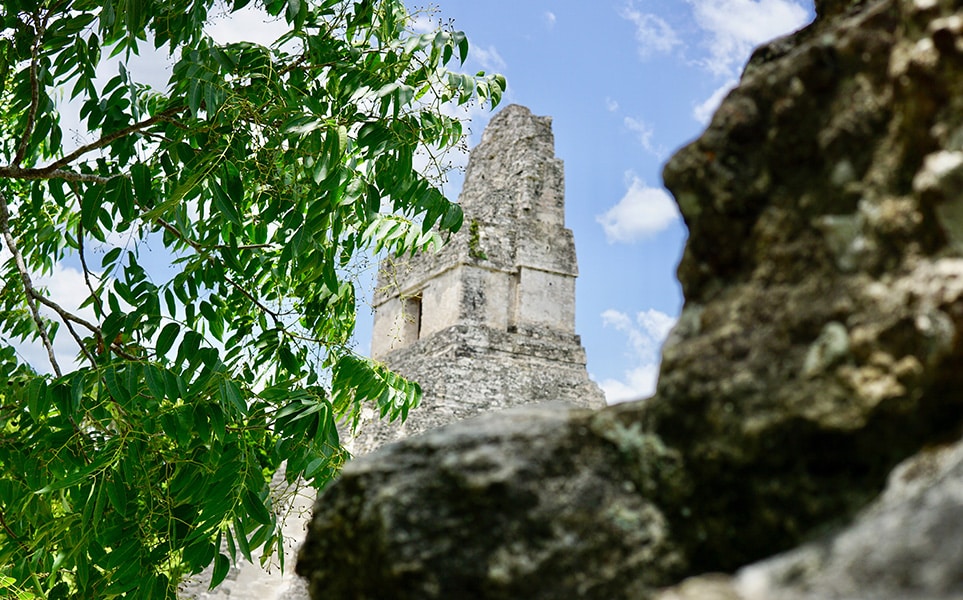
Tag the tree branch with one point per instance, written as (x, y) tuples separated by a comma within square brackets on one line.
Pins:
[(13, 536), (27, 284), (34, 92), (18, 173), (163, 116), (55, 169)]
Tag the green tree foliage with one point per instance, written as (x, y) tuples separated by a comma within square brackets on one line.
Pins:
[(260, 172)]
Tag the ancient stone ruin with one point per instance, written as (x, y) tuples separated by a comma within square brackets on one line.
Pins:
[(820, 346), (488, 322)]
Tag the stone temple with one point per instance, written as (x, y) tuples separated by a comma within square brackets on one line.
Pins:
[(486, 323)]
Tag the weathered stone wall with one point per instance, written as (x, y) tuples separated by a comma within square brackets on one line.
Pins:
[(468, 370), (820, 345)]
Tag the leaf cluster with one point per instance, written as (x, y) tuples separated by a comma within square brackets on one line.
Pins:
[(258, 176)]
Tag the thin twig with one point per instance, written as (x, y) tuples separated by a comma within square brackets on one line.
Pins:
[(67, 317), (297, 63), (276, 317), (199, 247), (163, 116), (80, 343), (98, 305), (10, 533), (64, 314), (118, 349), (27, 284)]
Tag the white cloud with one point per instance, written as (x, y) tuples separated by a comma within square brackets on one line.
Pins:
[(611, 105), (488, 58), (637, 383), (249, 24), (735, 27), (645, 336), (550, 19), (730, 30), (652, 33), (703, 112), (645, 133), (645, 333), (642, 212)]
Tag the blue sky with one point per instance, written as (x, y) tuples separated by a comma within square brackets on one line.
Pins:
[(627, 82)]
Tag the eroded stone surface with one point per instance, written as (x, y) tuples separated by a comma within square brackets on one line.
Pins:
[(440, 515), (823, 307)]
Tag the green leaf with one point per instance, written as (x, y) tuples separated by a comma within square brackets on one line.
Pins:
[(225, 204), (231, 397), (314, 467), (222, 565), (233, 183), (76, 476), (155, 381), (214, 320), (165, 340), (115, 386), (461, 40), (189, 347), (110, 258), (255, 507), (141, 176), (38, 398), (241, 538)]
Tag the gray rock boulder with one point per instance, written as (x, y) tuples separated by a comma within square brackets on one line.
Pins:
[(492, 508), (819, 346), (907, 544), (820, 340)]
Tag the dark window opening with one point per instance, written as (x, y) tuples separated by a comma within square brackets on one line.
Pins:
[(412, 316)]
